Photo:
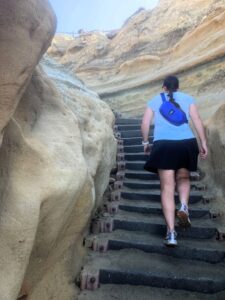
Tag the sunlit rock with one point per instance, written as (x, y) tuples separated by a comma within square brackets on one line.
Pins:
[(185, 38), (55, 158)]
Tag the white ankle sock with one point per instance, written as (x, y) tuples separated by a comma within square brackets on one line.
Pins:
[(184, 206)]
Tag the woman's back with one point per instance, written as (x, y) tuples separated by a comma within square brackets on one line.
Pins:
[(165, 130)]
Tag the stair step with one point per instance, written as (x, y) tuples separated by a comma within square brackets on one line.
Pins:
[(136, 267), (133, 133), (131, 174), (204, 250), (132, 141), (141, 184), (136, 165), (154, 195), (152, 184), (124, 121), (145, 175), (127, 127), (140, 156), (134, 149), (135, 154), (145, 207), (200, 229), (125, 292)]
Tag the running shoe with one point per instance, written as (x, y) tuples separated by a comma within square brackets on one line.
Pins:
[(183, 216), (171, 239)]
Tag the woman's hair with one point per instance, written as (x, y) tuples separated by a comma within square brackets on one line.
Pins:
[(172, 85)]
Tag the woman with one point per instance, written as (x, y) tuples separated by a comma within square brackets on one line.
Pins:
[(175, 150)]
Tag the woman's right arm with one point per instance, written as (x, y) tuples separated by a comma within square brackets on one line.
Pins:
[(196, 119), (146, 122)]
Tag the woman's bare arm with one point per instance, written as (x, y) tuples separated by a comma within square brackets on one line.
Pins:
[(146, 122), (196, 119)]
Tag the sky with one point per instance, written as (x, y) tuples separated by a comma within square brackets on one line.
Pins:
[(73, 15)]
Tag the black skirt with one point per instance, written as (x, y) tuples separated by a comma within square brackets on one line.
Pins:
[(173, 155)]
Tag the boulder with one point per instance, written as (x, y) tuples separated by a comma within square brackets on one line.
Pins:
[(55, 158), (26, 31)]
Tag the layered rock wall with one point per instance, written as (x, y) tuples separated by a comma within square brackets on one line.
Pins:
[(185, 38), (216, 137), (214, 166), (56, 154)]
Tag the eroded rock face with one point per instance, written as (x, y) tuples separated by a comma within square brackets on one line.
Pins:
[(58, 157), (185, 38), (56, 154), (216, 137), (214, 166), (26, 31)]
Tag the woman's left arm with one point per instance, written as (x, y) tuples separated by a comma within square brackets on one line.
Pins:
[(145, 125)]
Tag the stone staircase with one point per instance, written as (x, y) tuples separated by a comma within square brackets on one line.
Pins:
[(127, 258)]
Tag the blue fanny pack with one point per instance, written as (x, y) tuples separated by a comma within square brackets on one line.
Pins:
[(173, 114)]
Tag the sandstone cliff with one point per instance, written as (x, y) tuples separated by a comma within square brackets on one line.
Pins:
[(185, 38), (55, 157), (57, 144), (214, 166)]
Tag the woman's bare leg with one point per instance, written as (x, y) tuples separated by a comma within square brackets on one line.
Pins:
[(167, 182), (183, 189), (183, 185)]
